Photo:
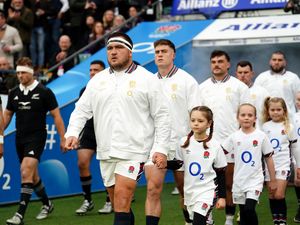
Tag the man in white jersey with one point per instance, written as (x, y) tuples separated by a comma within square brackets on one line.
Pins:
[(279, 82), (128, 113), (181, 91), (222, 94), (255, 94)]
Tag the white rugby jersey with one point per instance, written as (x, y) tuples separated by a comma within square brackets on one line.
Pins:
[(256, 96), (284, 85), (182, 93), (280, 141), (199, 174), (223, 98), (128, 113), (248, 150)]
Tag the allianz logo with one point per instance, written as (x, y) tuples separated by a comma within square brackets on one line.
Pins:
[(261, 26)]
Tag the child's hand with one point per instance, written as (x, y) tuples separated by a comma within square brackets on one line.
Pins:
[(272, 186), (221, 203), (298, 173)]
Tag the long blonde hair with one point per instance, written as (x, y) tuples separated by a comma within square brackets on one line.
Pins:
[(266, 116)]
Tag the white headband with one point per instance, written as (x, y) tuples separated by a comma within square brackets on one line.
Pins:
[(121, 41), (24, 69)]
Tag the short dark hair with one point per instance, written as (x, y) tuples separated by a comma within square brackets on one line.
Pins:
[(219, 53), (24, 61), (244, 63), (123, 35), (165, 42), (99, 62), (278, 52)]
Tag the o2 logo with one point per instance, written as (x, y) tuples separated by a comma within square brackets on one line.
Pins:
[(6, 176), (298, 131), (247, 158), (195, 170), (275, 144)]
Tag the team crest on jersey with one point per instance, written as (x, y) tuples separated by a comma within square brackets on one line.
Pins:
[(204, 206), (255, 143), (35, 96), (283, 132), (238, 143), (283, 172), (130, 169), (206, 154), (257, 193), (253, 96), (232, 155)]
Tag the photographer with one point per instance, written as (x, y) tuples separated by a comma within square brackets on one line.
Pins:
[(292, 5)]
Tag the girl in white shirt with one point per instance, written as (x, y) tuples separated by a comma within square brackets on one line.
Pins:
[(249, 145), (284, 141), (204, 167)]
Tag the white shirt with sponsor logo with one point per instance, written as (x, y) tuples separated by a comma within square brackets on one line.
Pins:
[(128, 113), (223, 98), (199, 173), (280, 141), (284, 85), (248, 150), (182, 93)]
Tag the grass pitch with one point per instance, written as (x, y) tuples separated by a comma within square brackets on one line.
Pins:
[(64, 210)]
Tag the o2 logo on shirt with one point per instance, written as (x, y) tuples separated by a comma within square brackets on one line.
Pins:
[(275, 144), (195, 170), (5, 186), (247, 158), (298, 131)]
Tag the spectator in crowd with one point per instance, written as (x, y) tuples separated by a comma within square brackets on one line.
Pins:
[(119, 22), (97, 33), (78, 11), (37, 43), (21, 18), (88, 28), (132, 11), (10, 40), (108, 20), (8, 76), (292, 5), (255, 94), (56, 11), (280, 82), (65, 51)]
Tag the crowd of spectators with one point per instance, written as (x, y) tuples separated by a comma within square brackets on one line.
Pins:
[(37, 28)]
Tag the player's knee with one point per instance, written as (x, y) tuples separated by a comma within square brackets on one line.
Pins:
[(154, 190), (279, 196), (26, 174), (83, 165)]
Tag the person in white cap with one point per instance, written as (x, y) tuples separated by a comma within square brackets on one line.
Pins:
[(129, 114), (31, 101)]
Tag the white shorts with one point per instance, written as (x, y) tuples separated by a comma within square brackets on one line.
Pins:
[(240, 197), (279, 175), (126, 168), (201, 208), (171, 156)]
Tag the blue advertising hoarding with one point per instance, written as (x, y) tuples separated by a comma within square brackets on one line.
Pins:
[(59, 170), (212, 8)]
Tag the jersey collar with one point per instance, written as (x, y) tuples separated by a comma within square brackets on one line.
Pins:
[(173, 70), (28, 88), (129, 70), (226, 78)]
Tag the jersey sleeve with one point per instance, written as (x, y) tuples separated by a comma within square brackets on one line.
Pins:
[(294, 145), (220, 160), (227, 145), (179, 154), (9, 105), (266, 146), (51, 102)]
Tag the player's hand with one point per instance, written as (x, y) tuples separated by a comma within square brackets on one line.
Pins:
[(160, 160), (298, 173), (71, 143), (221, 203), (1, 151), (63, 144), (272, 186)]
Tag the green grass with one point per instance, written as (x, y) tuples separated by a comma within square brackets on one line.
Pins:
[(64, 214)]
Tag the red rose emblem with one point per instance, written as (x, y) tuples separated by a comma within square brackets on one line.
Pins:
[(206, 154), (255, 143), (283, 132), (204, 206), (130, 169)]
